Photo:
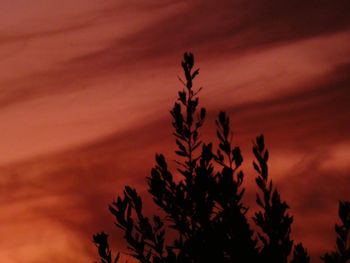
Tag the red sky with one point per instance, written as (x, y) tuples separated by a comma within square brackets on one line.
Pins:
[(86, 88)]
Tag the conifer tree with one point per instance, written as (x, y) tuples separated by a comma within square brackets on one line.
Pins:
[(342, 252), (204, 208)]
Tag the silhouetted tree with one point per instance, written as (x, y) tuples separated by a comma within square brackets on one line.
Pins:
[(342, 252), (204, 209), (101, 241)]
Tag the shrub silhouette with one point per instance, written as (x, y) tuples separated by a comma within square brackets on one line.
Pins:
[(204, 209)]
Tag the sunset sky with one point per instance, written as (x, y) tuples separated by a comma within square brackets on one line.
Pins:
[(87, 85)]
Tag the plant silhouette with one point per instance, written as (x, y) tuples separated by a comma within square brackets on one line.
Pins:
[(204, 209)]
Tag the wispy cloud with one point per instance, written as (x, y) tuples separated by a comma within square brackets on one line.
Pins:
[(86, 89)]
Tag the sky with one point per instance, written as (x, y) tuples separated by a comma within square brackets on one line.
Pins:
[(87, 85)]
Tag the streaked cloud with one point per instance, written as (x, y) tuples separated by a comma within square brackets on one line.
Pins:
[(86, 87)]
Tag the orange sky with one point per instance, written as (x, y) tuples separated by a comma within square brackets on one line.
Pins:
[(86, 87)]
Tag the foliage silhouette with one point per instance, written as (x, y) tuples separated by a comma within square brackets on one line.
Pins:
[(204, 209), (101, 241), (342, 253)]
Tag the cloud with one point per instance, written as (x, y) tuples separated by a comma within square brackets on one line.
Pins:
[(317, 112), (208, 29), (228, 26), (279, 68), (79, 183), (64, 197)]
